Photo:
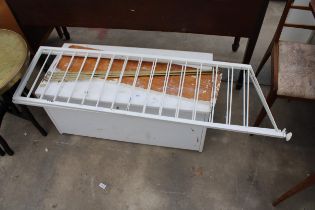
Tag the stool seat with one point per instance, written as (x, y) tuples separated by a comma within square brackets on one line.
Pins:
[(14, 56), (296, 76)]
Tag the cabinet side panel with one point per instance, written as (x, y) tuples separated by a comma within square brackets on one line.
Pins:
[(127, 128)]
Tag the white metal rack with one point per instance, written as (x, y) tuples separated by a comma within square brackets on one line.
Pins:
[(94, 105)]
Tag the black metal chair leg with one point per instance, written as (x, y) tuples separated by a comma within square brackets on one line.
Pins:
[(25, 112), (30, 116), (6, 147), (2, 153), (8, 105), (2, 112)]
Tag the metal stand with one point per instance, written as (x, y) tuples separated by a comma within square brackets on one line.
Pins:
[(3, 143), (2, 153), (24, 113), (31, 118), (6, 105), (6, 147)]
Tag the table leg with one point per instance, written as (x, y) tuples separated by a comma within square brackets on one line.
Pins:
[(236, 44), (251, 43)]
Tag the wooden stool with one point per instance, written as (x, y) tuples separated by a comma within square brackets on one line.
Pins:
[(14, 57)]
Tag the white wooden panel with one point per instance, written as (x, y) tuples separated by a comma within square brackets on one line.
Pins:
[(128, 129)]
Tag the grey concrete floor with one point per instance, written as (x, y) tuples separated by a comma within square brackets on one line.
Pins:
[(235, 171)]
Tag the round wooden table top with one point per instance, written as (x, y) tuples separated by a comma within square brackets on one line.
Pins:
[(13, 58)]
